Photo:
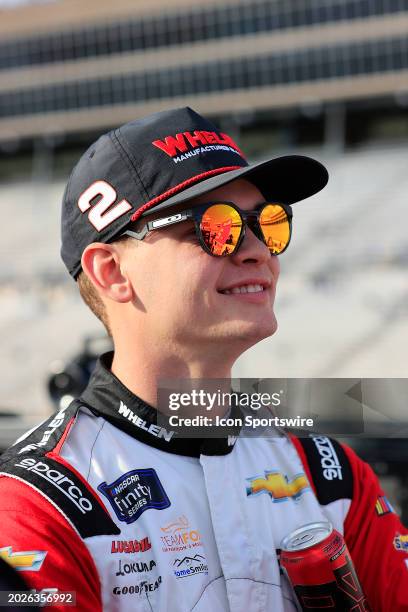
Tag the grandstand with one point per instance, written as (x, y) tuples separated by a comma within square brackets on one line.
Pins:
[(343, 297), (71, 67), (342, 301), (325, 77)]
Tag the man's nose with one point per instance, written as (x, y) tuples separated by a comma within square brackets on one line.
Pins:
[(252, 249)]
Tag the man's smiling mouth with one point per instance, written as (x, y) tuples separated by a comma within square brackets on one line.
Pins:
[(250, 286), (244, 289)]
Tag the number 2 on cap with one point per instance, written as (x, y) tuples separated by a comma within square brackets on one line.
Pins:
[(102, 212)]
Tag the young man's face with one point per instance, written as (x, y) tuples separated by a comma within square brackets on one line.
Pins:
[(179, 288)]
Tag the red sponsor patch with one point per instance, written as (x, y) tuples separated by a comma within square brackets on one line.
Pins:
[(183, 141), (130, 546)]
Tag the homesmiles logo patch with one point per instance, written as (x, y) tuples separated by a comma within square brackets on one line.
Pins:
[(188, 566), (134, 492)]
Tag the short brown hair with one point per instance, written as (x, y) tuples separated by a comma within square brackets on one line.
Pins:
[(90, 295), (92, 299)]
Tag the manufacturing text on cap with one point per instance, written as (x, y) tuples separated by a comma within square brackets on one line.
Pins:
[(183, 141)]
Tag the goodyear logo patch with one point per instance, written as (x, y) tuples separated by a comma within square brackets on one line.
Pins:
[(383, 506), (278, 486)]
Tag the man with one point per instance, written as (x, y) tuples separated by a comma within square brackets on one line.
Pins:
[(116, 507)]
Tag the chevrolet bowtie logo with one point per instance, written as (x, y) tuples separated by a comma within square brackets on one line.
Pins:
[(30, 560), (278, 486)]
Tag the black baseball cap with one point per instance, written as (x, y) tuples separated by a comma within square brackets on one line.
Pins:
[(161, 160)]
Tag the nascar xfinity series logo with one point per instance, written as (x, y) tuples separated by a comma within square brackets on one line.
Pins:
[(134, 492), (278, 486)]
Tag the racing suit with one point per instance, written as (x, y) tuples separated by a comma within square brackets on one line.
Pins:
[(101, 500)]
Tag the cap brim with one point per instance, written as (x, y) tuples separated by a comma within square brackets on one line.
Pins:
[(286, 179)]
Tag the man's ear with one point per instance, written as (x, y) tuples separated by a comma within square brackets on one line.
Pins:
[(101, 263)]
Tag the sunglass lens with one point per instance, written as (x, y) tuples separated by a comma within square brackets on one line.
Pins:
[(221, 227), (275, 226)]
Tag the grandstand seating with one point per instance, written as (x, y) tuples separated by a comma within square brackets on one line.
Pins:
[(342, 301)]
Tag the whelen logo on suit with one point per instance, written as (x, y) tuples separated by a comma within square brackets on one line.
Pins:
[(151, 428), (56, 422)]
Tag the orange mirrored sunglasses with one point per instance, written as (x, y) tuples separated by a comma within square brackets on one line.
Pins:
[(221, 226)]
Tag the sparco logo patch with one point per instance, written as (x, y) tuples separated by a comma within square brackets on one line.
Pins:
[(60, 481), (151, 428), (130, 546), (134, 492), (329, 460)]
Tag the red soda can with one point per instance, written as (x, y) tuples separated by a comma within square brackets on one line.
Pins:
[(317, 562)]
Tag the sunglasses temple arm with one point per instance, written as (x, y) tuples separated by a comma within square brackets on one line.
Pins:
[(157, 224), (138, 235), (164, 221)]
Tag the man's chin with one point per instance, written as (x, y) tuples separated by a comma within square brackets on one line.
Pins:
[(263, 331), (249, 333)]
